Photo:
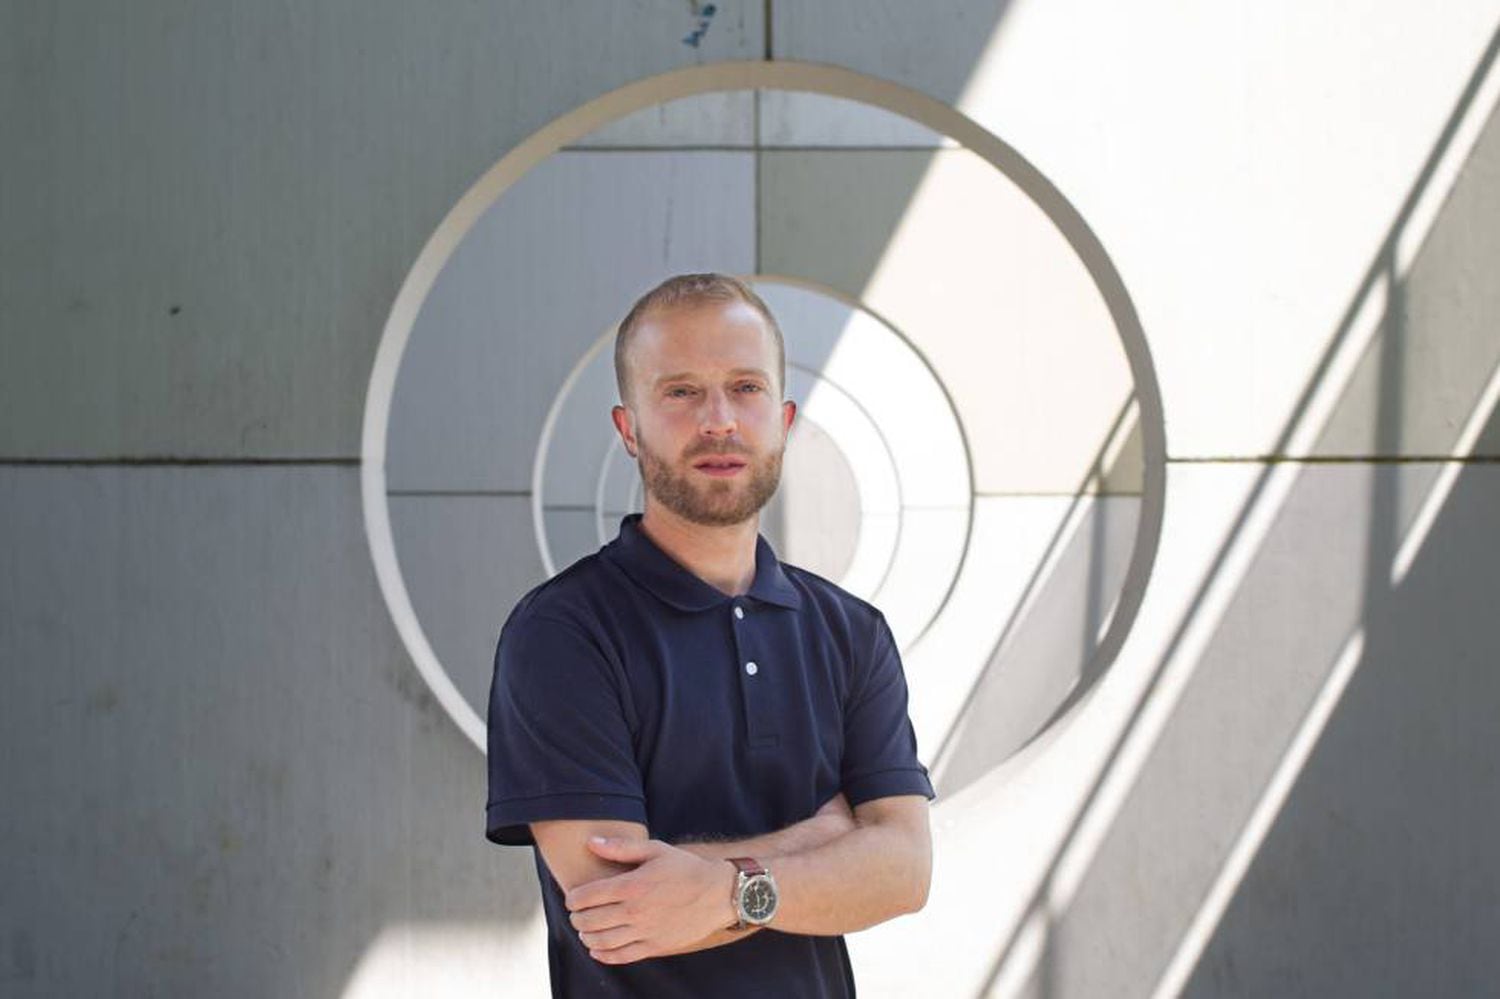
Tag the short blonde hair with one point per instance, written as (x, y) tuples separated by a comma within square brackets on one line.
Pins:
[(689, 290)]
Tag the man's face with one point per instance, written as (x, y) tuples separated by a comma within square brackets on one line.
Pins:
[(709, 427)]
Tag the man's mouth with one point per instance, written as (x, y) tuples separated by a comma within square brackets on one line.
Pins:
[(720, 466)]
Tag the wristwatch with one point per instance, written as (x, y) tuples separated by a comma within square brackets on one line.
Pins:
[(755, 896)]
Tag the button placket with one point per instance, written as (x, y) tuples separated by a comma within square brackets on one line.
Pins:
[(756, 696)]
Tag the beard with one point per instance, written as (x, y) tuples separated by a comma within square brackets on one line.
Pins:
[(710, 502)]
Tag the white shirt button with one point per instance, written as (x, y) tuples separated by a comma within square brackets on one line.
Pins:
[(751, 668), (739, 612)]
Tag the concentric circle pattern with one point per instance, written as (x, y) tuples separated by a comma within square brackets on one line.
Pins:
[(978, 448)]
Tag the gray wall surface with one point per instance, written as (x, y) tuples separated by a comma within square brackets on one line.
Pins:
[(223, 775)]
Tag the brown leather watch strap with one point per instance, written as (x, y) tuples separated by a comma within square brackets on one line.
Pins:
[(747, 865)]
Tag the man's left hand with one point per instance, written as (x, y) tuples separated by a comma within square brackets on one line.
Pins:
[(672, 899)]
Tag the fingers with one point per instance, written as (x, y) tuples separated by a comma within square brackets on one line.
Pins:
[(608, 937), (605, 929), (623, 955), (602, 892), (609, 940), (601, 917), (625, 851)]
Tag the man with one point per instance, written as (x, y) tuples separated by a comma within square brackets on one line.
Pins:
[(709, 748)]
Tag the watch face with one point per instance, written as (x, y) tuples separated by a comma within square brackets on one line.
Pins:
[(759, 899)]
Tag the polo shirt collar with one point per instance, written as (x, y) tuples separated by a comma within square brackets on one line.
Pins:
[(635, 553)]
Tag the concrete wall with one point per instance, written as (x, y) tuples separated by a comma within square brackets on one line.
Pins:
[(224, 775)]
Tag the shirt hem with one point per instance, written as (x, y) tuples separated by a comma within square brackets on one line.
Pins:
[(885, 783)]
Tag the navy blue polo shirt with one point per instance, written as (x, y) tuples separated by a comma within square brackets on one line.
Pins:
[(625, 687)]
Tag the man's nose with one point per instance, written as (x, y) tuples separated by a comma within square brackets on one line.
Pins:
[(718, 413)]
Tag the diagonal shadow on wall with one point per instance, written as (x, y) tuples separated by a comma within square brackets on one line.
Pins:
[(1381, 848)]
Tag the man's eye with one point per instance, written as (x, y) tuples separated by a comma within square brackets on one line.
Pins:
[(751, 386), (679, 391)]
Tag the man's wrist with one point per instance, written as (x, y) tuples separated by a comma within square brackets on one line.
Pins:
[(730, 896)]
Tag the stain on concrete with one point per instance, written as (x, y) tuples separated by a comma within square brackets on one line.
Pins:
[(703, 18), (102, 701), (229, 843), (325, 869), (403, 677)]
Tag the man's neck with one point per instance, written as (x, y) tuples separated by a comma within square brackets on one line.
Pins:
[(723, 557)]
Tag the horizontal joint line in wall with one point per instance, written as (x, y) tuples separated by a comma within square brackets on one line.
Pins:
[(458, 492), (1416, 459), (1063, 493), (756, 149), (352, 462)]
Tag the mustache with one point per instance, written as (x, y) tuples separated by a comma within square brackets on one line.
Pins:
[(702, 452)]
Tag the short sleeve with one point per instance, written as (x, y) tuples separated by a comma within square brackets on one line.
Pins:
[(559, 738), (880, 746)]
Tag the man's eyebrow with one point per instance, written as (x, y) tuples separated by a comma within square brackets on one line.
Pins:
[(689, 375)]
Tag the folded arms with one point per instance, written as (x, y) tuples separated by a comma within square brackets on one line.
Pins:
[(837, 871)]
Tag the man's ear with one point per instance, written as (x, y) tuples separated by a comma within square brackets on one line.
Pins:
[(788, 415), (623, 426)]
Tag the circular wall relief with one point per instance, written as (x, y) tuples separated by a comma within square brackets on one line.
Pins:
[(979, 449)]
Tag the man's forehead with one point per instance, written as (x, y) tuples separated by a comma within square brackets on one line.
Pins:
[(720, 338)]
